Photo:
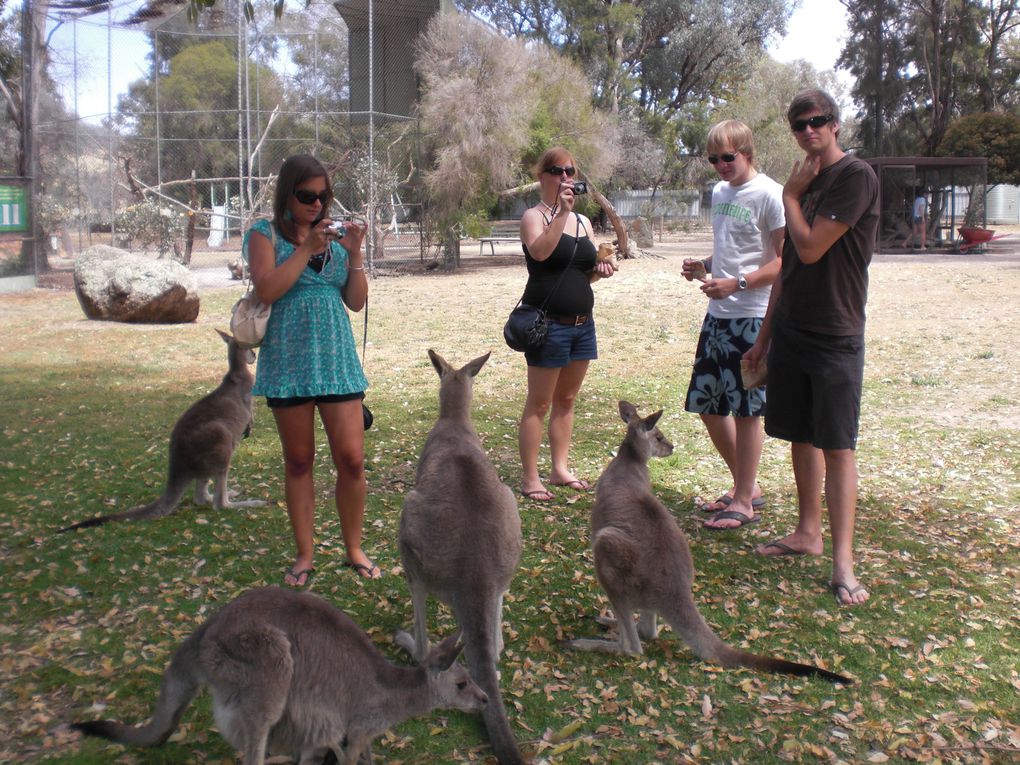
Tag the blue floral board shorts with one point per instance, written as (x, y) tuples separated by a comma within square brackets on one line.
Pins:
[(715, 386), (565, 343)]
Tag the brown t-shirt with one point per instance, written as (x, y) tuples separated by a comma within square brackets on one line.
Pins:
[(828, 296)]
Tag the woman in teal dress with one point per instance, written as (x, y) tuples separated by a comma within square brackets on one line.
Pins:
[(308, 360)]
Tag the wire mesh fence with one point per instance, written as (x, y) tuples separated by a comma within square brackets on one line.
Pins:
[(187, 156)]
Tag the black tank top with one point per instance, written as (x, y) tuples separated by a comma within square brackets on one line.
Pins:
[(574, 294)]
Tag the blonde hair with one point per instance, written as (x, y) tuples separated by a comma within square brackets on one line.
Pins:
[(732, 133), (555, 155)]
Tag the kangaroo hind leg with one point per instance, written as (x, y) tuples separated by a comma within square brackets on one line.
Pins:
[(249, 672)]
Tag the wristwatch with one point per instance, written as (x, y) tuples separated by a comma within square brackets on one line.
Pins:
[(741, 283)]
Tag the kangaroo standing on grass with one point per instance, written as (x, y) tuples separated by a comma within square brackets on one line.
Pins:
[(202, 444), (644, 564), (460, 540), (291, 674)]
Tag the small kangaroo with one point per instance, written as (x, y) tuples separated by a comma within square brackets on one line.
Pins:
[(202, 444), (291, 674), (460, 540), (644, 564)]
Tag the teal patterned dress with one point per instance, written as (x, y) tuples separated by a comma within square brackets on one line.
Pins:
[(309, 348)]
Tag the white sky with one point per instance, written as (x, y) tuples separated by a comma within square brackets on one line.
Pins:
[(815, 33)]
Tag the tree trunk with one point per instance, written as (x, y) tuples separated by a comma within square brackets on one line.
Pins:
[(34, 32), (622, 241)]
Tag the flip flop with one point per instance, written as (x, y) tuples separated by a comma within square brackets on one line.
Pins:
[(726, 500), (371, 571), (296, 576), (835, 587), (578, 484), (538, 495), (784, 550), (731, 515)]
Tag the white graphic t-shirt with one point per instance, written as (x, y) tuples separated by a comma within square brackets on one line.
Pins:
[(743, 219)]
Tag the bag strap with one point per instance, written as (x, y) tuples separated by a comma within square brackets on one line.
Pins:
[(577, 238)]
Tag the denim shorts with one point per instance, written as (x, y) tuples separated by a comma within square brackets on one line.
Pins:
[(564, 344), (814, 388)]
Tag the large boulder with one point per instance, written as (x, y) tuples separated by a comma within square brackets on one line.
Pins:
[(115, 285)]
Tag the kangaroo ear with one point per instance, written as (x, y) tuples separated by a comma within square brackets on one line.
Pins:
[(474, 366), (226, 338), (439, 363), (442, 657), (627, 411), (651, 419)]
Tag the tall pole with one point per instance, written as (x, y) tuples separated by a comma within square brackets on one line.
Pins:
[(371, 136)]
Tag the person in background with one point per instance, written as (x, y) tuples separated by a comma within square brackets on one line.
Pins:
[(560, 257), (813, 334), (919, 215), (308, 360), (747, 231)]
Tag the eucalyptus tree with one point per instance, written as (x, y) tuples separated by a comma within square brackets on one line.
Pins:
[(920, 64), (660, 57)]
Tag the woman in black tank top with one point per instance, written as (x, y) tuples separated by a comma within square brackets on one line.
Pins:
[(561, 261)]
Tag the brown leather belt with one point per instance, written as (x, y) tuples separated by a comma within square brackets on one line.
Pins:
[(575, 320)]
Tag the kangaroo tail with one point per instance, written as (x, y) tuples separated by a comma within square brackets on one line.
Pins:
[(702, 639), (161, 507), (479, 635), (180, 685)]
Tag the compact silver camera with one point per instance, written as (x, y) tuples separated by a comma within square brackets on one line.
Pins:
[(337, 229)]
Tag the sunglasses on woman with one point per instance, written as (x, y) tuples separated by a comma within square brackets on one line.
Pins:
[(799, 126), (714, 158), (557, 170), (307, 197)]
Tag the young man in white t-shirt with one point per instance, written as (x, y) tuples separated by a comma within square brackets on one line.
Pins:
[(747, 225)]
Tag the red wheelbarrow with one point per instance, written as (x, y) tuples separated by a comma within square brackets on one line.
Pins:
[(974, 237)]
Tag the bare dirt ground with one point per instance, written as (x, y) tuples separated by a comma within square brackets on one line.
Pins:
[(939, 323)]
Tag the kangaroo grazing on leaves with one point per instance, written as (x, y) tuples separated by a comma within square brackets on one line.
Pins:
[(460, 540), (202, 444), (644, 564), (291, 674)]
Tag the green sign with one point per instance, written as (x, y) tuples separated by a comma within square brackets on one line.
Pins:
[(13, 209)]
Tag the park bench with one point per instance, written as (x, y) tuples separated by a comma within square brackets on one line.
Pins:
[(503, 231)]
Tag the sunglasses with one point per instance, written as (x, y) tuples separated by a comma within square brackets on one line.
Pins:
[(714, 158), (799, 126), (557, 170), (306, 197)]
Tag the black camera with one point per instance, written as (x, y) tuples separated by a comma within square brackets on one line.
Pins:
[(580, 187)]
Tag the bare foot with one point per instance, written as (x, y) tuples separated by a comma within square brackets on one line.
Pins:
[(299, 574), (794, 544), (568, 480), (534, 490), (850, 592), (732, 517)]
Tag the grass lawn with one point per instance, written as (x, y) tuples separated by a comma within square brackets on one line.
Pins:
[(91, 618)]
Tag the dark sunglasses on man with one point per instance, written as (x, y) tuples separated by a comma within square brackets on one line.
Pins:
[(307, 197), (713, 159), (799, 126)]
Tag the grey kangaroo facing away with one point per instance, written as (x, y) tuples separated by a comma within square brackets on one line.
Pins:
[(460, 541), (644, 564), (202, 444), (291, 674)]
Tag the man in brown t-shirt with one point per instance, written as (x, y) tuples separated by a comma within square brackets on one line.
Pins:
[(813, 334)]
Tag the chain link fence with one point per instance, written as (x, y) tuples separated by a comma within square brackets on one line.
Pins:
[(188, 156)]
